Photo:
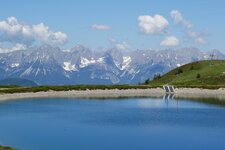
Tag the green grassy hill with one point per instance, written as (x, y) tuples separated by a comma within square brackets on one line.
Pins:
[(6, 148), (200, 74)]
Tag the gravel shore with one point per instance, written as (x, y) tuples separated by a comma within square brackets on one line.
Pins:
[(200, 93), (115, 93), (157, 92)]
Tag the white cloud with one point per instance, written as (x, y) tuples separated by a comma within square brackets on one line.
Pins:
[(19, 46), (192, 34), (13, 31), (178, 19), (177, 16), (152, 25), (16, 47), (122, 46), (119, 45), (112, 40), (200, 40), (170, 41), (101, 27), (43, 33), (196, 37)]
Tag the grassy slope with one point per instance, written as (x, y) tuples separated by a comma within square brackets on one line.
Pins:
[(212, 75), (6, 148)]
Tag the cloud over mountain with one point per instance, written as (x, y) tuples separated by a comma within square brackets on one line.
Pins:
[(100, 27), (14, 31), (156, 24), (179, 19), (170, 41), (15, 47), (194, 36), (122, 46), (118, 44)]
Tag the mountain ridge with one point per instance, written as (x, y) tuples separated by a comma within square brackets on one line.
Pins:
[(17, 82), (48, 65)]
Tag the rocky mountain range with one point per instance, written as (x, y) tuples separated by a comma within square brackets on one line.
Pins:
[(48, 65)]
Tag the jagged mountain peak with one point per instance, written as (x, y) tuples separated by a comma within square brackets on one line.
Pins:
[(81, 65)]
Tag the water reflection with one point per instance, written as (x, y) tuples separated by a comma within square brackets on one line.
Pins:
[(168, 96), (132, 123), (208, 101)]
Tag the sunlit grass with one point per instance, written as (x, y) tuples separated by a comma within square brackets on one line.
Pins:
[(203, 74), (6, 148)]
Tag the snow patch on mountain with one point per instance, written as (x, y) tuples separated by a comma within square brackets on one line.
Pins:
[(67, 66), (126, 62), (178, 65), (27, 71), (101, 60), (15, 65), (38, 70), (84, 62)]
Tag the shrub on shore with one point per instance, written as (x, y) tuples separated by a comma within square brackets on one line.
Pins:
[(147, 81), (157, 76), (179, 71)]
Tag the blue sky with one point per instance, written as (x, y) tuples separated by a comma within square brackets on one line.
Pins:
[(109, 23)]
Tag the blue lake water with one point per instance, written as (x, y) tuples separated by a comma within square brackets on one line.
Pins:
[(112, 124)]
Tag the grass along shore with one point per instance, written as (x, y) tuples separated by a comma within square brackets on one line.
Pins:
[(18, 89), (6, 148)]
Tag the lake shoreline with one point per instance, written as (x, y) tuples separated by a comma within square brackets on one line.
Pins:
[(113, 93), (116, 93)]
